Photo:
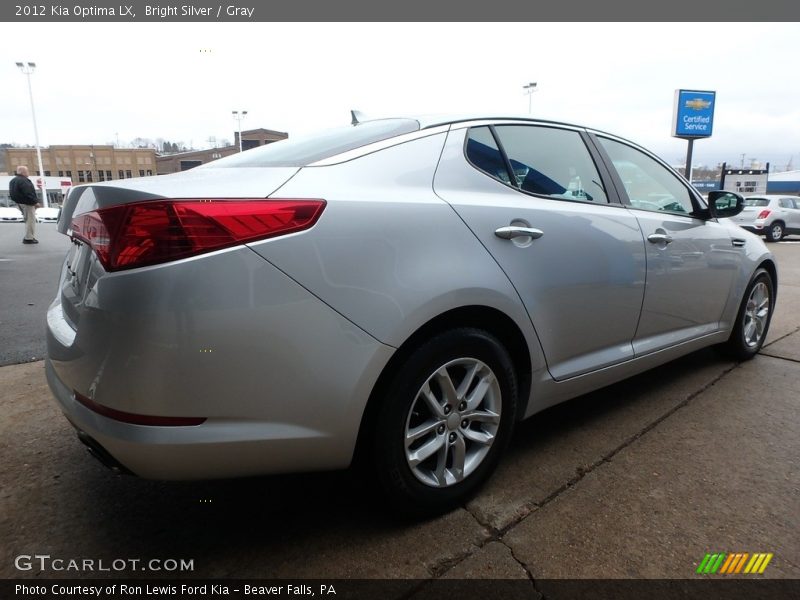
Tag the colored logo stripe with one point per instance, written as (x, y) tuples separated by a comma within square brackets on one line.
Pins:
[(734, 563), (737, 563), (703, 564), (727, 564), (759, 563), (710, 563)]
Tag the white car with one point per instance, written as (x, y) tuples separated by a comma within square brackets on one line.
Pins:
[(773, 216), (10, 214), (47, 214)]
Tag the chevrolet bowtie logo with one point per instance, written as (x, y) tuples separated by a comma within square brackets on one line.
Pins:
[(697, 104)]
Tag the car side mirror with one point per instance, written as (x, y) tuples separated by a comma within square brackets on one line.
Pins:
[(723, 205)]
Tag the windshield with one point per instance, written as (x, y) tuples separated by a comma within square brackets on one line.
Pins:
[(305, 149), (756, 202)]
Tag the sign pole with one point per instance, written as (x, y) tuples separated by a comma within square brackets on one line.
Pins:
[(688, 172)]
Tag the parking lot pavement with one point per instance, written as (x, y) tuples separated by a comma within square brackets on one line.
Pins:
[(719, 475), (640, 479), (28, 279)]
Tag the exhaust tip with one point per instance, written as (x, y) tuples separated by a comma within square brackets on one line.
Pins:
[(97, 451)]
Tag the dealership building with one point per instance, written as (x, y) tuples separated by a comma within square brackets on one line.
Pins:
[(752, 181), (787, 182)]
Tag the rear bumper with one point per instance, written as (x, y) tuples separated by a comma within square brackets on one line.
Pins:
[(281, 379), (757, 229), (214, 450)]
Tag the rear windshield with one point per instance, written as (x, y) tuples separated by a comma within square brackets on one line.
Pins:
[(756, 202), (303, 150)]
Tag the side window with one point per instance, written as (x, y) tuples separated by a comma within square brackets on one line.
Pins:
[(650, 185), (786, 203), (551, 162), (483, 153)]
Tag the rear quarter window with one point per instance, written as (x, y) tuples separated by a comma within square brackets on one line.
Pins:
[(483, 153)]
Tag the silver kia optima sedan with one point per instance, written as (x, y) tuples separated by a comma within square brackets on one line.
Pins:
[(402, 290)]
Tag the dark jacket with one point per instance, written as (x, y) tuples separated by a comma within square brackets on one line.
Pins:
[(22, 190)]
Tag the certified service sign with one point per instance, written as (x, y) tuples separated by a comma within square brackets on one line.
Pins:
[(693, 114)]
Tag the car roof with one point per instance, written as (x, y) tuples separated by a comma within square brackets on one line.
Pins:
[(427, 121), (430, 121)]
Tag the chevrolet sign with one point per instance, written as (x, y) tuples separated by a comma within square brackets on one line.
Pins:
[(693, 114)]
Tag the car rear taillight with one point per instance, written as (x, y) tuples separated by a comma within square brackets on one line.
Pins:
[(153, 232), (763, 214)]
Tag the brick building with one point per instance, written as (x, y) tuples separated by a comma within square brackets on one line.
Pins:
[(83, 163), (93, 162), (182, 161)]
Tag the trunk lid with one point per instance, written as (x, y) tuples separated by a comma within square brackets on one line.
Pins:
[(82, 269), (245, 182)]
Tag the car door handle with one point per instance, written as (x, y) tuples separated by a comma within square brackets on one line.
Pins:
[(659, 238), (511, 232)]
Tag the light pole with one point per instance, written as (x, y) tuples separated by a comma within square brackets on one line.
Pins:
[(529, 89), (239, 116), (28, 69), (93, 163)]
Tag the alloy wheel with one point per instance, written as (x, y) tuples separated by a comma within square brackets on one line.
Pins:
[(756, 314), (453, 422)]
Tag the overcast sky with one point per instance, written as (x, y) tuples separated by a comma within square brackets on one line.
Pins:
[(180, 82)]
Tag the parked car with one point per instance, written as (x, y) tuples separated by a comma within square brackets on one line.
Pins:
[(400, 290), (773, 216), (47, 214), (10, 214)]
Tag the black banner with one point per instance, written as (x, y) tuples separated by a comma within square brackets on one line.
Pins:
[(402, 589), (409, 10)]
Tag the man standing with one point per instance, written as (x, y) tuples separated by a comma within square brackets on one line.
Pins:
[(24, 194)]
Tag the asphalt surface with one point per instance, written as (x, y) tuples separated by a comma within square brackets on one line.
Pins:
[(639, 480), (28, 280)]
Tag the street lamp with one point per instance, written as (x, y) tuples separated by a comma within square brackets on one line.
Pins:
[(529, 89), (239, 116), (28, 69)]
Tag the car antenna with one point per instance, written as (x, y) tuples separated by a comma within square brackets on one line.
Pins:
[(356, 115)]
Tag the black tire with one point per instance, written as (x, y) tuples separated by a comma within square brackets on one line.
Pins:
[(775, 232), (404, 409), (740, 344)]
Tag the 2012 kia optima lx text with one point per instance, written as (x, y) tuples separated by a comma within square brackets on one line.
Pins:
[(405, 289)]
